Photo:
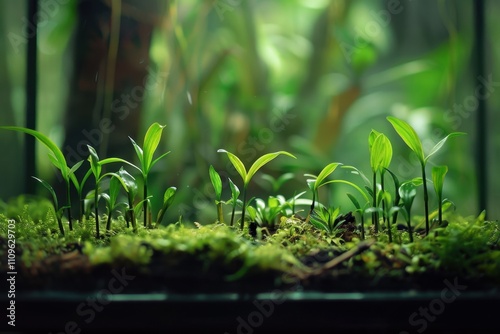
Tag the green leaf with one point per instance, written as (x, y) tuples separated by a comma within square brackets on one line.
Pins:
[(260, 162), (94, 162), (51, 190), (354, 201), (75, 167), (139, 152), (151, 142), (330, 168), (169, 196), (438, 175), (158, 159), (408, 191), (216, 182), (371, 138), (114, 189), (235, 191), (440, 144), (57, 154), (365, 196), (380, 153), (129, 181), (409, 136), (238, 165)]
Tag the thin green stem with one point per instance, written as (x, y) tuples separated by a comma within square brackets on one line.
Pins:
[(96, 209), (242, 224), (60, 224), (362, 226), (145, 203), (108, 222), (232, 214), (440, 211), (384, 206), (410, 231), (426, 200), (374, 203), (70, 219)]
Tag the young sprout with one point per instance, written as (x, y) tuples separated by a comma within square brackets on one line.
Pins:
[(318, 181), (131, 189), (111, 199), (96, 168), (168, 199), (361, 210), (324, 218), (247, 176), (217, 184), (438, 175), (57, 159), (145, 156), (277, 183), (380, 159), (58, 211), (410, 137), (408, 191)]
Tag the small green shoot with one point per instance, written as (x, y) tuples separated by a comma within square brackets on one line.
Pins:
[(168, 199), (145, 156), (438, 175), (410, 137), (132, 190), (247, 176), (318, 181), (217, 184), (380, 159), (58, 211), (277, 183)]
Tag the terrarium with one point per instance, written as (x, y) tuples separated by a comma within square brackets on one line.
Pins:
[(244, 167)]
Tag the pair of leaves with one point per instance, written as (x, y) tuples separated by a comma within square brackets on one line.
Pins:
[(150, 144), (410, 137), (380, 151), (318, 181), (259, 163)]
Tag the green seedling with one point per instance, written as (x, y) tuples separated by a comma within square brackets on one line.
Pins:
[(318, 181), (115, 184), (438, 175), (324, 218), (217, 184), (266, 214), (410, 137), (247, 176), (168, 199), (361, 211), (57, 159), (145, 156), (407, 192), (131, 189), (277, 183), (235, 193), (58, 211), (380, 159), (96, 169)]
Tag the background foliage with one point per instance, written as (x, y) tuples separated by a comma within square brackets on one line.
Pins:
[(309, 77)]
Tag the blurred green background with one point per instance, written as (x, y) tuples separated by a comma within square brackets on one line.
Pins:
[(312, 77)]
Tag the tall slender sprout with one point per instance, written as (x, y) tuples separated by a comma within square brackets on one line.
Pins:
[(380, 159), (145, 156), (247, 176), (57, 159), (217, 184), (410, 137)]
